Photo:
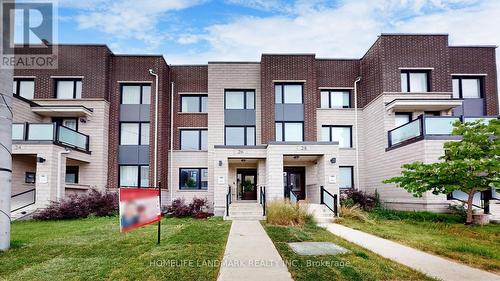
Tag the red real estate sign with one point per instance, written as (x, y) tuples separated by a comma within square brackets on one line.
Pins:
[(138, 207)]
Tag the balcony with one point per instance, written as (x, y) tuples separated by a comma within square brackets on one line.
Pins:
[(429, 127), (50, 132)]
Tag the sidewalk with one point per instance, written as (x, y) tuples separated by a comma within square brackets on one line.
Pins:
[(250, 255), (429, 264)]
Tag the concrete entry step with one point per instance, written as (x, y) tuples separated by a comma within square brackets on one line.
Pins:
[(245, 211)]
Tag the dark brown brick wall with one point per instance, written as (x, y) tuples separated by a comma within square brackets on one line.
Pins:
[(188, 79), (370, 85), (89, 61), (136, 68), (336, 73), (474, 60), (288, 67)]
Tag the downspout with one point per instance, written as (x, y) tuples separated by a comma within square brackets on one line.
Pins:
[(155, 160), (170, 169), (356, 129), (59, 173)]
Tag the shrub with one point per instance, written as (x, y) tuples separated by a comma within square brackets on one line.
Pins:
[(91, 203), (282, 212), (354, 212), (180, 209), (353, 197)]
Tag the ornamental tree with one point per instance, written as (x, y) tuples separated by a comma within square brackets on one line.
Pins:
[(470, 165)]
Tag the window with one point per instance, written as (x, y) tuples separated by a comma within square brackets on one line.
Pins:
[(71, 123), (72, 174), (346, 177), (194, 139), (24, 87), (68, 88), (134, 176), (288, 93), (194, 103), (401, 118), (134, 133), (240, 135), (136, 94), (342, 134), (414, 81), (289, 131), (467, 87), (240, 99), (30, 177), (335, 99), (193, 178)]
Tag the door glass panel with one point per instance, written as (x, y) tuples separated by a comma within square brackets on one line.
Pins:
[(295, 181)]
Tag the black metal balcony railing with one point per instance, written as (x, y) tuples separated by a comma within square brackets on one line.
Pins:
[(50, 132), (427, 126)]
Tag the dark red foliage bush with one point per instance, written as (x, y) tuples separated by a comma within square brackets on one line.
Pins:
[(180, 209), (364, 200), (91, 203)]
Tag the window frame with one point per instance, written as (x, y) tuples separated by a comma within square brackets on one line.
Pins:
[(56, 86), (407, 72), (141, 92), (282, 86), (460, 91), (73, 168), (199, 187), (352, 177), (138, 166), (18, 81), (330, 91), (245, 134), (200, 105), (199, 139), (139, 135), (245, 102), (340, 126), (283, 130)]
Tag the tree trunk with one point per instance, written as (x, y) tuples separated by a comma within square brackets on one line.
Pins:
[(469, 206)]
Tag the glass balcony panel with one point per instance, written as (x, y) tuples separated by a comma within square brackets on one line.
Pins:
[(406, 132), (72, 138), (17, 131), (484, 120), (39, 132), (439, 125)]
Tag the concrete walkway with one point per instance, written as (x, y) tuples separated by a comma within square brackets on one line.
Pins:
[(429, 264), (250, 255)]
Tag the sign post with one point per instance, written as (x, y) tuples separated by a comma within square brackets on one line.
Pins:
[(159, 203)]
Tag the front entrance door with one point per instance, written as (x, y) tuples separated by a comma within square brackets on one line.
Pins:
[(247, 184), (294, 180)]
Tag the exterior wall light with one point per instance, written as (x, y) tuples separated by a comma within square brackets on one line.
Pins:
[(220, 163), (333, 160)]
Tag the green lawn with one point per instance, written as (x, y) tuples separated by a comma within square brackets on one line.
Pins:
[(477, 246), (94, 249), (359, 264)]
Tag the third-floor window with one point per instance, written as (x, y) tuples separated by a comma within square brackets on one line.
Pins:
[(135, 94), (68, 88), (288, 93), (415, 81), (467, 87), (240, 99), (335, 99), (194, 103), (24, 87)]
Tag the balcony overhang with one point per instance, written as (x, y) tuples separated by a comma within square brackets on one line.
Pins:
[(62, 111), (422, 104)]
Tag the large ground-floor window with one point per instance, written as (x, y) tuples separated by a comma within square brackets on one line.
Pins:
[(346, 177), (134, 175), (193, 178)]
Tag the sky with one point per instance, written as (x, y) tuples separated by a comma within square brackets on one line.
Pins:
[(198, 31)]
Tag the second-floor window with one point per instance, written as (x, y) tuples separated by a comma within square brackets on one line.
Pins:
[(414, 81), (335, 99), (194, 103), (24, 87), (68, 88), (401, 118), (135, 94), (288, 93), (240, 135), (342, 134), (467, 87), (134, 175), (289, 131), (236, 99), (134, 133), (194, 139)]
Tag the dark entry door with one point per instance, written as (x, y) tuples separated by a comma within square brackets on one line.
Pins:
[(247, 184), (294, 180)]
